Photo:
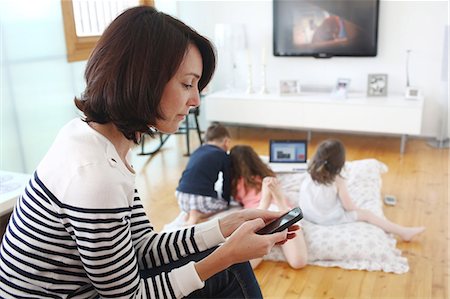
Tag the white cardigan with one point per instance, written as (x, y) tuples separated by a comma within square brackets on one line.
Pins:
[(80, 230)]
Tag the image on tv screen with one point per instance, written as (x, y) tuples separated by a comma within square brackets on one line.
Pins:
[(325, 28)]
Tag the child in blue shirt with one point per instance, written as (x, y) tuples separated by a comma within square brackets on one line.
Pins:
[(196, 192)]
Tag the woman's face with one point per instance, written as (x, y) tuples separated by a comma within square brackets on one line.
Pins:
[(181, 92)]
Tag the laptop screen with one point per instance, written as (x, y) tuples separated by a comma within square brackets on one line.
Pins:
[(288, 151)]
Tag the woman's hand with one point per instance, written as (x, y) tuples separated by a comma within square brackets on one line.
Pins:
[(231, 222), (244, 244), (291, 234)]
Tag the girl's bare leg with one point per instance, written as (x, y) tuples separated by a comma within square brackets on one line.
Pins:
[(266, 194), (295, 251), (278, 196), (404, 232)]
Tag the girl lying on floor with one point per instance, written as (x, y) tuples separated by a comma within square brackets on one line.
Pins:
[(254, 185)]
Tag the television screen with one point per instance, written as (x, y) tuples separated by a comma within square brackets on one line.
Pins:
[(325, 28)]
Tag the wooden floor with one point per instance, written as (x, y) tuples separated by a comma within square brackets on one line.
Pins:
[(419, 179)]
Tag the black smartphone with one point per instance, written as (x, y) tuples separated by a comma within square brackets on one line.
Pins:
[(282, 223)]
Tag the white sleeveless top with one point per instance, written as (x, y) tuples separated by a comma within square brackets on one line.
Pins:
[(321, 204)]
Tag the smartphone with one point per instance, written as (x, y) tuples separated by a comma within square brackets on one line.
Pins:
[(282, 223)]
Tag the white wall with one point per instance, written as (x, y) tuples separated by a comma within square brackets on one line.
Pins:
[(415, 25), (38, 84)]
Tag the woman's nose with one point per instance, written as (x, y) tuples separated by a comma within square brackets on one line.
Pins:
[(194, 100)]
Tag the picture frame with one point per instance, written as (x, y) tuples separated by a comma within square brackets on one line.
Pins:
[(289, 87), (377, 85), (342, 84), (341, 88)]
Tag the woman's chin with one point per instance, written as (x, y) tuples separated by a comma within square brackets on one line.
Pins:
[(168, 129)]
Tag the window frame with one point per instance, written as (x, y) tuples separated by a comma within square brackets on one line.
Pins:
[(79, 48)]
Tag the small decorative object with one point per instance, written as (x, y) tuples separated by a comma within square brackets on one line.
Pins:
[(249, 80), (377, 85), (264, 89), (341, 89), (249, 74), (411, 93), (231, 41), (289, 87)]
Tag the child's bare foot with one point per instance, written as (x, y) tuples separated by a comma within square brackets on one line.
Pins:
[(192, 217), (409, 232), (186, 217)]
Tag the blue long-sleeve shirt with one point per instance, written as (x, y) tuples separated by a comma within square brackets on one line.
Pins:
[(202, 172)]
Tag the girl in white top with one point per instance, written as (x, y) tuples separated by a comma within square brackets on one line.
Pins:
[(325, 200)]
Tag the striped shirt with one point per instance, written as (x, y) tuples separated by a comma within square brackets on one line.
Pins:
[(79, 230)]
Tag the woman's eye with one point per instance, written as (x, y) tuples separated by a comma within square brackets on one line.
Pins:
[(187, 86)]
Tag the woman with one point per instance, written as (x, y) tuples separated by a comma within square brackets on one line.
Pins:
[(79, 230)]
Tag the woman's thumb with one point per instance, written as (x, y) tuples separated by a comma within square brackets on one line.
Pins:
[(255, 224), (280, 236)]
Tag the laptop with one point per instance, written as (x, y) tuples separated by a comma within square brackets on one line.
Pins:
[(288, 155)]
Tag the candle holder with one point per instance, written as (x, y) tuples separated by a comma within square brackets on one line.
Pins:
[(249, 80), (264, 80)]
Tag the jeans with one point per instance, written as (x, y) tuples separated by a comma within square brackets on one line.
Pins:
[(237, 281)]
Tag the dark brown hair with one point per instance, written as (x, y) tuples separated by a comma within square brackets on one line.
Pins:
[(216, 132), (246, 164), (327, 162), (136, 56)]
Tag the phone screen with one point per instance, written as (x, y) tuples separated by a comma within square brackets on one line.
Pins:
[(283, 222)]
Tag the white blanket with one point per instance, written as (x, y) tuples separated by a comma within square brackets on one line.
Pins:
[(357, 245)]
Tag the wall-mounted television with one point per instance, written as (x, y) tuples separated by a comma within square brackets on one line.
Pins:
[(325, 28)]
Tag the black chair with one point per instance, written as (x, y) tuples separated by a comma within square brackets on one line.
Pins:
[(194, 112), (184, 129)]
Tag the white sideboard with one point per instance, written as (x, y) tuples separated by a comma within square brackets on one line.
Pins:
[(321, 111)]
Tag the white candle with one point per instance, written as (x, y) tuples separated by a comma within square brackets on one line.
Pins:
[(264, 58), (249, 58)]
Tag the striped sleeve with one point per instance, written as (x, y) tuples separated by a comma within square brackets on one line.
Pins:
[(155, 249), (53, 250), (115, 243)]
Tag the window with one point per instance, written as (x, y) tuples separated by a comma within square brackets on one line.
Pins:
[(85, 20)]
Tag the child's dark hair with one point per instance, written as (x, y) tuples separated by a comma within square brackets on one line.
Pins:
[(216, 132), (328, 161), (246, 164)]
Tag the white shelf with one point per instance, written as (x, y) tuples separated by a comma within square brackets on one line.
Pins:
[(356, 113)]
